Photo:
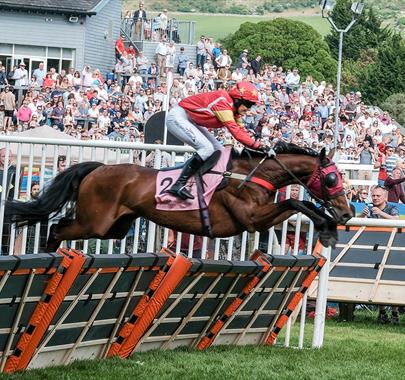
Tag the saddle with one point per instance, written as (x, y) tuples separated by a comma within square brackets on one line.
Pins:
[(202, 185)]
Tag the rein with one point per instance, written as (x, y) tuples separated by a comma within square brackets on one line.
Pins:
[(292, 175), (269, 186)]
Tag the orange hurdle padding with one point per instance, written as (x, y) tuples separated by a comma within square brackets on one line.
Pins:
[(283, 318), (176, 273), (142, 303), (56, 290), (209, 337)]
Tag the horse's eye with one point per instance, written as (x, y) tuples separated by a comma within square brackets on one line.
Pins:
[(331, 180)]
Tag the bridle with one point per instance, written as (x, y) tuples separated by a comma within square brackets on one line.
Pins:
[(325, 203)]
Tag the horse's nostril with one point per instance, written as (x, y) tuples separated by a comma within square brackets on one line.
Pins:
[(346, 217)]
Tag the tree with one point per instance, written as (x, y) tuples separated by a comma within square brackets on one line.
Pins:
[(395, 105), (367, 32), (353, 71), (285, 43), (387, 75)]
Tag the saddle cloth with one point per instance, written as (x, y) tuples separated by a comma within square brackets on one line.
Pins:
[(166, 178)]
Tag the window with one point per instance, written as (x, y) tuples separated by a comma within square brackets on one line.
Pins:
[(55, 63), (66, 64)]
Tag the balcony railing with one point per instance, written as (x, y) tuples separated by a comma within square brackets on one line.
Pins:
[(181, 32)]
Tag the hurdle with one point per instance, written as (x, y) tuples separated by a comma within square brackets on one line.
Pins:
[(69, 306), (367, 265)]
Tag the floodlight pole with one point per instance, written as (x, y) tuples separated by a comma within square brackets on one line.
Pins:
[(339, 71)]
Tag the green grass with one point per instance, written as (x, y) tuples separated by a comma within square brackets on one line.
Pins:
[(219, 26), (356, 350)]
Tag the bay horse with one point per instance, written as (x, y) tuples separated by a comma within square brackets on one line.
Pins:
[(107, 199)]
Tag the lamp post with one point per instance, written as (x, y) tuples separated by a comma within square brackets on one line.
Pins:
[(327, 7)]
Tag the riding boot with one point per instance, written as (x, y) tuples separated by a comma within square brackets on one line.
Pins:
[(190, 167)]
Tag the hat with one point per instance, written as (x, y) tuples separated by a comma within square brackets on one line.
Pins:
[(245, 50), (394, 128), (22, 63)]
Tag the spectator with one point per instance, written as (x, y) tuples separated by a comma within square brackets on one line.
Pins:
[(57, 116), (142, 64), (393, 186), (119, 47), (165, 157), (3, 75), (183, 59), (255, 64), (170, 56), (24, 114), (163, 20), (201, 52), (292, 81), (243, 59), (390, 159), (21, 76), (8, 99), (87, 78), (10, 76), (365, 153), (216, 52), (138, 19), (222, 61), (380, 209), (362, 195), (161, 54)]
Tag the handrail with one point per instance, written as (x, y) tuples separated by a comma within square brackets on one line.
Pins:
[(361, 222), (128, 37), (95, 144), (150, 30)]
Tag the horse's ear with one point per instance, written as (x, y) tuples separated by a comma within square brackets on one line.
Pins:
[(331, 154), (322, 154)]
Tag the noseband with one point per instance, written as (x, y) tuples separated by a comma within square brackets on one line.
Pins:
[(317, 184)]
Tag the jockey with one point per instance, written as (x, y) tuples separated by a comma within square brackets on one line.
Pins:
[(190, 119)]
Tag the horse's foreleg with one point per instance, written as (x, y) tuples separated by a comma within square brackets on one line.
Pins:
[(273, 214)]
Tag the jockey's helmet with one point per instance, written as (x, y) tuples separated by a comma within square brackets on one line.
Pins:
[(245, 91)]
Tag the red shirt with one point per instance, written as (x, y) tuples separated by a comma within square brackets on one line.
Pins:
[(382, 174), (215, 110), (119, 46), (394, 188), (48, 82)]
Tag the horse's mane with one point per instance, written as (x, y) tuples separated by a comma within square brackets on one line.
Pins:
[(281, 147), (288, 148)]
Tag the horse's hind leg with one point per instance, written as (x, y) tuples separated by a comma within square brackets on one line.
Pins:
[(65, 229), (52, 243)]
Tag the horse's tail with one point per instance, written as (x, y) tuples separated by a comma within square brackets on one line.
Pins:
[(63, 189)]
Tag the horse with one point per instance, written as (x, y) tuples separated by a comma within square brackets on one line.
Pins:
[(106, 199)]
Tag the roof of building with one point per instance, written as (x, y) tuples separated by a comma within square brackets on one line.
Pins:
[(85, 7)]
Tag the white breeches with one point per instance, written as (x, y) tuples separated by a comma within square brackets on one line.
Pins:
[(180, 126)]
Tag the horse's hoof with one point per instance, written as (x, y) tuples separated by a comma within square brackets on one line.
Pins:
[(328, 240)]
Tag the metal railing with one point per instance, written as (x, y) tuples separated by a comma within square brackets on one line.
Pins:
[(180, 32), (35, 159)]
